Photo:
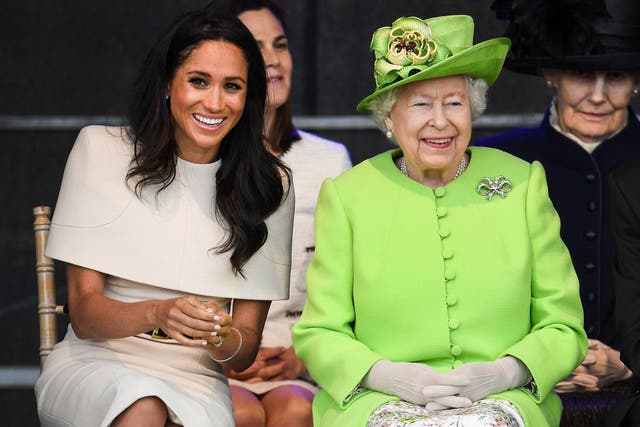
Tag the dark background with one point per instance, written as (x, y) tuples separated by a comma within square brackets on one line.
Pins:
[(71, 60)]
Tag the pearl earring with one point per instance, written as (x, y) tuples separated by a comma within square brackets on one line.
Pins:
[(635, 91), (549, 84), (389, 133), (166, 95)]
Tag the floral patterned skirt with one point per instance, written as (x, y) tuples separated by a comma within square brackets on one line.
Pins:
[(483, 413)]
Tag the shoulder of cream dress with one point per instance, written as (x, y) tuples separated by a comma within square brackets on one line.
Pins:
[(166, 239)]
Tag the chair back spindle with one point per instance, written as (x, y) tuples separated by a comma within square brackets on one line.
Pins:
[(45, 272)]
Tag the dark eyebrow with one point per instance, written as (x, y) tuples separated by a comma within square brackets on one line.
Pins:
[(199, 73), (208, 76), (230, 79), (276, 40)]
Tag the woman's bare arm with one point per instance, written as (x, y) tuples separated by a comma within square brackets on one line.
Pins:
[(95, 316)]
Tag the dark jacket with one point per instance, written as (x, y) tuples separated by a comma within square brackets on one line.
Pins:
[(625, 210), (578, 188)]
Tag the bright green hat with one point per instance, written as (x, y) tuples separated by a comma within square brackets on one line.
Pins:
[(413, 49)]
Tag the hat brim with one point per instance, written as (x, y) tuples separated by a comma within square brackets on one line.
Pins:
[(534, 65), (483, 60)]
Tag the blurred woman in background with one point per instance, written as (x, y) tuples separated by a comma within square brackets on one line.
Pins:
[(277, 389)]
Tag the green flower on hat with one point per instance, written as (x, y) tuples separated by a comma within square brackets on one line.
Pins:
[(413, 49), (403, 49)]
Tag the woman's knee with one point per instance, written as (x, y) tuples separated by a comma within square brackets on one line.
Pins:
[(292, 404), (247, 408), (297, 408)]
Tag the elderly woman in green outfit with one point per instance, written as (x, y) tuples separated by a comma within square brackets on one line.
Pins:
[(440, 292)]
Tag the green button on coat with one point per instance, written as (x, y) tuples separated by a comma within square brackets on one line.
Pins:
[(456, 350)]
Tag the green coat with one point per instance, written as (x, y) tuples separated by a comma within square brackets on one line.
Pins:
[(445, 277)]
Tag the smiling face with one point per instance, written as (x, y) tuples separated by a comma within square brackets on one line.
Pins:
[(268, 32), (207, 97), (592, 105), (431, 122)]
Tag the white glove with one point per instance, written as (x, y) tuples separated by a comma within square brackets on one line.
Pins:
[(487, 378), (407, 380), (601, 367)]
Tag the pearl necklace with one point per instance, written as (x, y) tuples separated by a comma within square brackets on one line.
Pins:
[(461, 166)]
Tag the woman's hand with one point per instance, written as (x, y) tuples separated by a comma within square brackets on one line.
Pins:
[(485, 378), (272, 364), (601, 367), (235, 342), (190, 321), (289, 368), (417, 383), (266, 356)]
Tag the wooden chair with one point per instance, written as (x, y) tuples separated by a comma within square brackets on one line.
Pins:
[(45, 272)]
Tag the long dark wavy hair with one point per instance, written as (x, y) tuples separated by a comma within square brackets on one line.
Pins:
[(251, 182), (282, 135)]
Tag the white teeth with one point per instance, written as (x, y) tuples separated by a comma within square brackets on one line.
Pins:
[(207, 120), (439, 141)]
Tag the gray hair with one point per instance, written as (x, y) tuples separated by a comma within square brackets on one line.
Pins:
[(381, 105)]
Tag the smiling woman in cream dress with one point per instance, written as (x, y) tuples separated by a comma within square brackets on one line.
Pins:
[(176, 233)]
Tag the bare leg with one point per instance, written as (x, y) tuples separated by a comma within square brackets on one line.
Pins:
[(145, 412), (247, 408), (288, 405)]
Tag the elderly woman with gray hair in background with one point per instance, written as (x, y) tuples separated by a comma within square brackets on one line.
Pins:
[(588, 53), (440, 292)]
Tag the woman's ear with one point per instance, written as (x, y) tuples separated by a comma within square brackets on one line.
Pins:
[(388, 122), (550, 77)]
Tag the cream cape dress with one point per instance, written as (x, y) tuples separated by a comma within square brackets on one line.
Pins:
[(156, 246)]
